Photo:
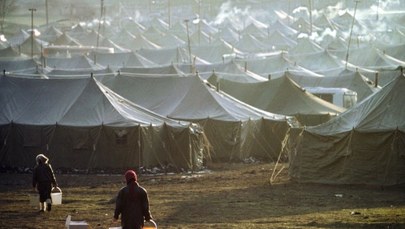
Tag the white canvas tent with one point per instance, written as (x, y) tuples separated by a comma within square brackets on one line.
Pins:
[(230, 70), (18, 64), (75, 66), (235, 130), (273, 66), (322, 63), (165, 56), (364, 145), (82, 124), (34, 47), (115, 61), (281, 96)]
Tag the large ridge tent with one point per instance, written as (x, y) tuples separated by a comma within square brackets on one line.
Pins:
[(235, 130), (364, 145), (280, 96), (12, 61), (115, 61), (229, 70), (75, 66), (273, 66), (20, 65), (82, 124)]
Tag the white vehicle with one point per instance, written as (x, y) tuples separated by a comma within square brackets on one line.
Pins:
[(342, 97)]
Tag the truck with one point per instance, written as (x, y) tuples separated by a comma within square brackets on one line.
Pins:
[(342, 97)]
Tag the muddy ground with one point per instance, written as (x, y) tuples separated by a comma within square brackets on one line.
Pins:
[(223, 196)]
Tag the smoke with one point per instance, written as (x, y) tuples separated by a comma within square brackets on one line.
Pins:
[(233, 14), (326, 34), (3, 38), (331, 11), (240, 16), (386, 5), (366, 14), (369, 17), (301, 11)]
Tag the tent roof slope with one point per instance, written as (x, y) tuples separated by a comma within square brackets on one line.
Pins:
[(214, 105), (18, 65), (281, 96), (70, 102), (183, 98)]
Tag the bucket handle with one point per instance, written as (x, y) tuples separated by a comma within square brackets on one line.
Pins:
[(153, 222), (56, 189)]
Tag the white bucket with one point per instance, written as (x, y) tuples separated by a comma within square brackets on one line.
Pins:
[(56, 196)]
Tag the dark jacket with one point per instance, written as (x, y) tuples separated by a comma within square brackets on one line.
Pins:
[(43, 173), (133, 205)]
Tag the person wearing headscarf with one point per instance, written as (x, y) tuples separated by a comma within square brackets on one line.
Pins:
[(43, 179), (132, 203)]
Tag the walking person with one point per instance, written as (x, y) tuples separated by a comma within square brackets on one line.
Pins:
[(43, 180), (132, 204)]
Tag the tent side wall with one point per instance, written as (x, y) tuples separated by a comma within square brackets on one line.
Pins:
[(292, 150), (235, 141), (269, 141), (320, 158), (180, 147), (127, 147), (101, 147), (169, 146), (377, 158), (152, 144), (349, 158), (224, 138), (23, 143), (73, 147), (5, 132), (117, 147)]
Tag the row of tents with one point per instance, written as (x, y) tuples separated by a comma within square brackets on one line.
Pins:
[(116, 121), (229, 94)]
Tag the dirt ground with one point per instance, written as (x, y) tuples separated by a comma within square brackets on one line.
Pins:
[(223, 196)]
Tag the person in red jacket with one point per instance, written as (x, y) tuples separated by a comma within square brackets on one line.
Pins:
[(43, 179), (132, 204)]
